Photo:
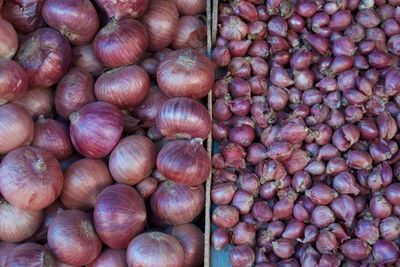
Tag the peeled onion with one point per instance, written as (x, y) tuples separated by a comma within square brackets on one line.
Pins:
[(193, 70), (119, 215), (132, 159), (190, 33), (30, 178), (8, 40), (16, 127), (124, 9), (13, 80), (37, 102), (83, 182), (124, 87)]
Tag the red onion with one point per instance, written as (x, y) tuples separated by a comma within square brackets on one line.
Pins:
[(114, 51), (83, 182), (148, 108), (389, 228), (73, 92), (184, 161), (242, 256), (190, 7), (380, 207), (98, 117), (5, 249), (147, 186), (25, 16), (119, 215), (321, 194), (72, 238), (283, 248), (30, 178), (13, 81), (52, 136), (125, 9), (194, 70), (192, 241), (392, 194), (84, 58), (322, 216), (148, 249), (37, 102), (68, 18), (45, 55), (161, 22), (183, 118), (355, 249), (8, 40), (326, 242), (123, 87), (190, 33), (233, 28), (225, 216), (177, 204), (132, 159), (385, 252), (222, 194), (219, 238), (16, 127), (30, 254), (110, 257), (18, 225)]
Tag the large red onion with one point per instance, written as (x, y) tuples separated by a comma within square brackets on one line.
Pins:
[(96, 129), (194, 71), (37, 102), (16, 127), (192, 241), (119, 215), (16, 224), (184, 118), (30, 178), (110, 257), (52, 136), (184, 161), (161, 22), (45, 55), (121, 43), (190, 33), (72, 238), (149, 249), (83, 182), (73, 92), (148, 108), (190, 7), (124, 87), (68, 17), (132, 159), (124, 9), (84, 57), (24, 15), (13, 81), (176, 204), (30, 254), (8, 40)]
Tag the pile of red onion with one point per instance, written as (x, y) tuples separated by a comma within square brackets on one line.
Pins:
[(307, 118), (102, 161)]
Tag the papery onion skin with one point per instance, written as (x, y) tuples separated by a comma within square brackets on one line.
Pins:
[(124, 87), (73, 92), (92, 125), (72, 238), (190, 33), (132, 159), (45, 55), (13, 81), (52, 136), (30, 254), (30, 178), (190, 7), (123, 9), (147, 249), (16, 127), (184, 161), (84, 57), (68, 18), (119, 215), (120, 43), (194, 71), (147, 109), (110, 257), (83, 182), (161, 21), (25, 16), (37, 102), (176, 204), (184, 118), (8, 40), (192, 241), (16, 224)]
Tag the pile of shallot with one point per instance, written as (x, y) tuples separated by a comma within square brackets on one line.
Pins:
[(307, 118), (101, 132)]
